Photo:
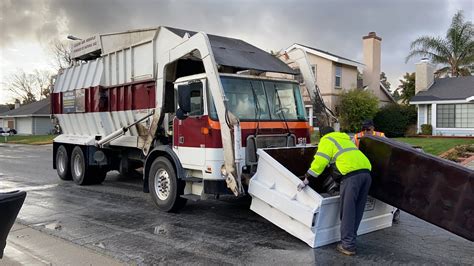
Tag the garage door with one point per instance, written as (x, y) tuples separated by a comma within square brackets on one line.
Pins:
[(24, 125)]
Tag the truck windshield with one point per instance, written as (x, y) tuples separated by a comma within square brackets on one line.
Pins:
[(253, 99)]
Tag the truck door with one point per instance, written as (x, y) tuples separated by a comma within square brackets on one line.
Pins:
[(188, 138)]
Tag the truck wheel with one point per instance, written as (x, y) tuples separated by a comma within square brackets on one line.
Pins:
[(62, 163), (164, 186), (81, 172)]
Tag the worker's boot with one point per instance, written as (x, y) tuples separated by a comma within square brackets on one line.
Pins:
[(344, 251)]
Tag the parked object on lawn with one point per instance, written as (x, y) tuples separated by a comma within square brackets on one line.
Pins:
[(10, 205), (11, 131)]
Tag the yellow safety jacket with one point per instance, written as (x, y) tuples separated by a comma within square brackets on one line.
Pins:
[(337, 147), (359, 135)]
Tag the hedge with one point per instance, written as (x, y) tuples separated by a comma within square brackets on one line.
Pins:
[(394, 119)]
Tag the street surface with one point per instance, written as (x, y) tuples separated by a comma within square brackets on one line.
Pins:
[(118, 220)]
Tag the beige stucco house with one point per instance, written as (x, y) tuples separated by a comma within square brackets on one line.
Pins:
[(335, 74)]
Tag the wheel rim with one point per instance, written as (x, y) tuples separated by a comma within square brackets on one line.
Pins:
[(77, 165), (162, 184), (61, 162)]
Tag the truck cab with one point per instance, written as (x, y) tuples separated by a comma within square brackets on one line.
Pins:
[(270, 112)]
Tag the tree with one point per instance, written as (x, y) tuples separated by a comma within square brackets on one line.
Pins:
[(384, 80), (61, 52), (43, 82), (455, 52), (396, 95), (355, 107), (22, 85), (29, 87), (407, 87)]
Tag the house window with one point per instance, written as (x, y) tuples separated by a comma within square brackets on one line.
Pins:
[(445, 115), (428, 114), (338, 77), (465, 115), (455, 115)]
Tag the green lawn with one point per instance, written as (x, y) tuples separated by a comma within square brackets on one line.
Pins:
[(35, 140), (435, 146)]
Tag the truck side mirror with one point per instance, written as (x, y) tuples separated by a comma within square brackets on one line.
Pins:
[(184, 98), (180, 114)]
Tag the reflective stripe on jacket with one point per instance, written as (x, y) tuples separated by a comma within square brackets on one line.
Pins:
[(359, 135), (337, 147)]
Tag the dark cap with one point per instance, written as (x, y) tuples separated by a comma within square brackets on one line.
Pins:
[(326, 130), (367, 124)]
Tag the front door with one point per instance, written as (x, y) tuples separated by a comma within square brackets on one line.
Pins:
[(189, 140)]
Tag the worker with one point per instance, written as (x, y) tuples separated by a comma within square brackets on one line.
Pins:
[(368, 129), (354, 169)]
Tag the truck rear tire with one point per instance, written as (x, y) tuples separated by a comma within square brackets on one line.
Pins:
[(165, 188), (82, 173), (62, 163)]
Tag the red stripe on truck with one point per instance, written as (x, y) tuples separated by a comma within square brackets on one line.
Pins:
[(188, 133), (130, 96)]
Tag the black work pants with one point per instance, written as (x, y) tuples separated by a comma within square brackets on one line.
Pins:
[(354, 190)]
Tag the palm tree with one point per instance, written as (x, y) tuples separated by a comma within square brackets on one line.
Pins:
[(455, 52)]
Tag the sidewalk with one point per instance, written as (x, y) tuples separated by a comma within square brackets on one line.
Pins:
[(27, 246)]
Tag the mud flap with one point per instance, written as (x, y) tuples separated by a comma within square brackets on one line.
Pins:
[(306, 215)]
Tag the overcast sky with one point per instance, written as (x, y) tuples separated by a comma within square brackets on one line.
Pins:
[(26, 27)]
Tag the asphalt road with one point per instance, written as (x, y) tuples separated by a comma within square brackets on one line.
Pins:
[(119, 220)]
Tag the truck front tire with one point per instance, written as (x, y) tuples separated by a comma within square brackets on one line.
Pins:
[(165, 188), (81, 172), (62, 163)]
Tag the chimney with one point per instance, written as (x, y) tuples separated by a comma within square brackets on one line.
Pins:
[(371, 45), (424, 75), (17, 104)]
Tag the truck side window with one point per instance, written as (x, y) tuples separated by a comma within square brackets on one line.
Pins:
[(197, 101)]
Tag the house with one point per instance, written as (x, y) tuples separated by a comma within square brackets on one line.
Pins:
[(447, 104), (3, 109), (335, 74), (29, 119)]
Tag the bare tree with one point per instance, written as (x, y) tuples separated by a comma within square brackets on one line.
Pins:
[(29, 87), (43, 82), (22, 86), (61, 52)]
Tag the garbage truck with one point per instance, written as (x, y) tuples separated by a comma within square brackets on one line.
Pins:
[(192, 109)]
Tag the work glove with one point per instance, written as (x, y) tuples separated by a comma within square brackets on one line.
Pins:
[(303, 184)]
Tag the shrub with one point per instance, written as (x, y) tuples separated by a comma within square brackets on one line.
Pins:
[(426, 129), (355, 107), (395, 119)]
